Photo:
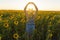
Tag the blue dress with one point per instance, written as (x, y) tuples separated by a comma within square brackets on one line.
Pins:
[(30, 26)]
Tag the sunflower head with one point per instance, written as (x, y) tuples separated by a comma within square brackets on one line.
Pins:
[(6, 25), (16, 22), (23, 20), (11, 17), (1, 15), (16, 36)]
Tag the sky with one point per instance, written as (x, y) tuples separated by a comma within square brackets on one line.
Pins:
[(20, 4)]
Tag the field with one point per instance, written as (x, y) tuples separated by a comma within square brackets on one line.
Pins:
[(13, 24)]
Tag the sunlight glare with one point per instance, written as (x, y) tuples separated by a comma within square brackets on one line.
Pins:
[(30, 6)]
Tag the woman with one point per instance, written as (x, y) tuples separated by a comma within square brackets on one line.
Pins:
[(30, 16)]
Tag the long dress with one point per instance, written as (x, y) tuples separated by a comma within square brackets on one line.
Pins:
[(30, 26)]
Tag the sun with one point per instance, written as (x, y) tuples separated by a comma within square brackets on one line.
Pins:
[(30, 6)]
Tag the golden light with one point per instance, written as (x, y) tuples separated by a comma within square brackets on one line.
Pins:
[(30, 11), (30, 7)]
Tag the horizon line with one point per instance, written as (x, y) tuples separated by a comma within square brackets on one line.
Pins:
[(22, 9)]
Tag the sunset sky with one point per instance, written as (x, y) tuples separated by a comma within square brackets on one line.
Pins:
[(20, 4)]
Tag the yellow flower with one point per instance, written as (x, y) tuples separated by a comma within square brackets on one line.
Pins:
[(22, 20), (16, 22), (16, 36), (1, 15), (52, 18), (6, 25), (11, 17)]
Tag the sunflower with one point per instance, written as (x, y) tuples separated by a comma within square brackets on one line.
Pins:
[(22, 20), (52, 18), (16, 22), (16, 36), (6, 25), (19, 15), (11, 17), (1, 15)]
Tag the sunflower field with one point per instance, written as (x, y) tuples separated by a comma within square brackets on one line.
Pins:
[(13, 25)]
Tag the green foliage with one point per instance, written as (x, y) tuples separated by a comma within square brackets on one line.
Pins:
[(12, 25)]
